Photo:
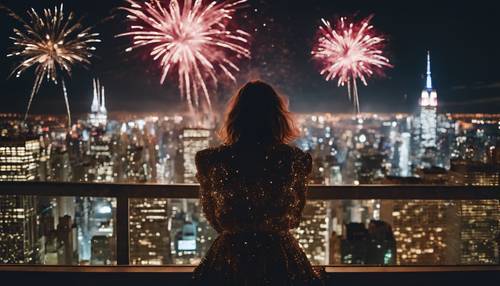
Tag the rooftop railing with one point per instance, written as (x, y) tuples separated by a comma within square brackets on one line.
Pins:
[(124, 193)]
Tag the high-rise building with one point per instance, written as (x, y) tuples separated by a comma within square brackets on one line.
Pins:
[(354, 245), (313, 233), (98, 114), (100, 156), (193, 140), (101, 246), (382, 245), (150, 238), (426, 232), (428, 112), (479, 219), (375, 245), (479, 229), (19, 161), (65, 238)]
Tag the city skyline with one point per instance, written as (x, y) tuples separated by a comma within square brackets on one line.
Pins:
[(131, 130), (285, 62)]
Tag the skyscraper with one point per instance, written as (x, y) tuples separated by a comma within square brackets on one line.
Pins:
[(479, 219), (19, 161), (428, 111), (149, 232), (19, 158), (426, 232), (100, 156), (98, 114), (193, 140)]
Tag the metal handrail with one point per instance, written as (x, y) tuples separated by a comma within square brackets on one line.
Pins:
[(123, 192), (189, 268), (190, 191)]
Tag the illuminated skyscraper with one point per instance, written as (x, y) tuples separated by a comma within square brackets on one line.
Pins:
[(149, 232), (101, 160), (193, 140), (191, 223), (479, 229), (19, 161), (428, 111), (426, 232), (312, 232), (404, 155), (98, 114), (479, 219)]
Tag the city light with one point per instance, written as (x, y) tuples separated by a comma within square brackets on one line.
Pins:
[(128, 132)]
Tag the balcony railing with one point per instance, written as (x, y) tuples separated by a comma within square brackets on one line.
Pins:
[(124, 192), (338, 275)]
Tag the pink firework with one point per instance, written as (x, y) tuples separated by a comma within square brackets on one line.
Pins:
[(195, 40), (349, 51)]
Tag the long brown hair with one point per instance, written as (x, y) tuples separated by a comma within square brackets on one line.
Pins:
[(258, 114)]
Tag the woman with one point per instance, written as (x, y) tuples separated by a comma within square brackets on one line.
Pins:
[(253, 192)]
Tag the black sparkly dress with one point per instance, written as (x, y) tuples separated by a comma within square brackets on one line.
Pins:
[(253, 196)]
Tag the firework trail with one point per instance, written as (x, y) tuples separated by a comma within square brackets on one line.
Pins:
[(52, 43), (349, 51), (194, 40)]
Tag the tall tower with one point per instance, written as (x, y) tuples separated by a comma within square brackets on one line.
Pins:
[(428, 111), (94, 108), (98, 114)]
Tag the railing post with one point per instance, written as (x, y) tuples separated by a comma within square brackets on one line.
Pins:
[(122, 231)]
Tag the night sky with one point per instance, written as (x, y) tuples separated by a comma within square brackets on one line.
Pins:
[(463, 37)]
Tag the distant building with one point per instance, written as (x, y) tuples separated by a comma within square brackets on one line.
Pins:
[(98, 114), (67, 250), (428, 110), (312, 232), (19, 161), (375, 245), (479, 219), (101, 250), (100, 156), (193, 140), (426, 231), (382, 245), (150, 242), (136, 167), (354, 245)]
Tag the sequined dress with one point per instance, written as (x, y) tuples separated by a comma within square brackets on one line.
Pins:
[(253, 196)]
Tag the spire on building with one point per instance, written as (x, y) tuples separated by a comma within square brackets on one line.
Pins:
[(95, 100), (98, 114), (428, 84), (103, 102)]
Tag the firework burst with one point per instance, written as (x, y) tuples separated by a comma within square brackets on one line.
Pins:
[(349, 51), (194, 40), (52, 43)]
